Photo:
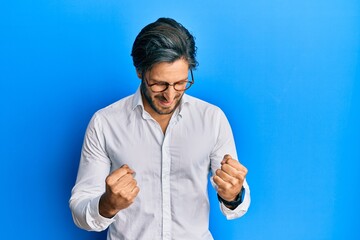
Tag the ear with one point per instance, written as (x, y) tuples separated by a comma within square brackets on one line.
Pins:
[(138, 73)]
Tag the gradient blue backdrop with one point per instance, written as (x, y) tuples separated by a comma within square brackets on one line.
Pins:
[(286, 73)]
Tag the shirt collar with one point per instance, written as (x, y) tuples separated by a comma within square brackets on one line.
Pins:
[(185, 100), (137, 100)]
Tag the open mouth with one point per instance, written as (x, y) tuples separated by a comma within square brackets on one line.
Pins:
[(165, 103)]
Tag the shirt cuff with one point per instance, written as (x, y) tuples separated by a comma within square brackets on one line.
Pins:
[(93, 217), (240, 210)]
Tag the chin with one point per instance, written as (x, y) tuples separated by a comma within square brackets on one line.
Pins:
[(164, 111)]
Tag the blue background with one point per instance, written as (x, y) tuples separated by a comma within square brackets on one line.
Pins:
[(286, 73)]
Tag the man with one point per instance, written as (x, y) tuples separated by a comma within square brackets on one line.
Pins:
[(146, 159)]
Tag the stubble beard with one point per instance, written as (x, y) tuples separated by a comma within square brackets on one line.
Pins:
[(148, 98)]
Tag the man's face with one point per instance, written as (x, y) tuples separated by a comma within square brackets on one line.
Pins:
[(165, 102)]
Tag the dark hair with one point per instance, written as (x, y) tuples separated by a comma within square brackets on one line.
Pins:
[(163, 41)]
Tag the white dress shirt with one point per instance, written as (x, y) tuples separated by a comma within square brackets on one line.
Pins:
[(172, 169)]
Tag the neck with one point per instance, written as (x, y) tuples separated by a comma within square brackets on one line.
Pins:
[(162, 119)]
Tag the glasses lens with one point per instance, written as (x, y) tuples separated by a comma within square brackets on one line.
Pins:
[(183, 85), (159, 87), (178, 86)]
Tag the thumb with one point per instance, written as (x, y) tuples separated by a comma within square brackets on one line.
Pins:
[(226, 158), (129, 170)]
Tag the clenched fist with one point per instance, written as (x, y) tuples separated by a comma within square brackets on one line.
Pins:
[(121, 191), (230, 178)]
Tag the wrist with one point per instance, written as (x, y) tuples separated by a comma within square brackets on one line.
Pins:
[(105, 209), (235, 203)]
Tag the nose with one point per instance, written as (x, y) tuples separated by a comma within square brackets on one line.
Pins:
[(170, 93)]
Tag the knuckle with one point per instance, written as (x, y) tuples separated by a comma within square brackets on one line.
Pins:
[(128, 198), (227, 187), (241, 177), (125, 166), (108, 180), (122, 193), (234, 182), (135, 191)]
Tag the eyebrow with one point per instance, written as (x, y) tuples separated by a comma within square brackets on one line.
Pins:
[(160, 81)]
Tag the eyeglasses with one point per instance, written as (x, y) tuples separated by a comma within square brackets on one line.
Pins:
[(178, 86)]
